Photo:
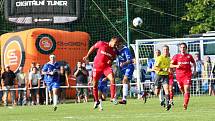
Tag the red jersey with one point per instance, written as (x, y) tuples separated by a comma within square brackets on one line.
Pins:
[(105, 55), (185, 61)]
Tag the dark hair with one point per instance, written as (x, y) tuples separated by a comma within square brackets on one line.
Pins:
[(118, 39), (183, 44), (35, 68), (166, 46)]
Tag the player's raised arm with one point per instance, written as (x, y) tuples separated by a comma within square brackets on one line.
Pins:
[(90, 51)]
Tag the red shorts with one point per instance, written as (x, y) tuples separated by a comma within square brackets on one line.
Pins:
[(97, 73), (184, 80)]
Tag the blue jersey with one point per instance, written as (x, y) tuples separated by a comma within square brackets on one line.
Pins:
[(48, 67), (150, 65), (124, 55)]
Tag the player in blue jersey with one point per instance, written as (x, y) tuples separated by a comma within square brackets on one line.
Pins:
[(125, 64), (102, 89), (150, 65), (51, 72)]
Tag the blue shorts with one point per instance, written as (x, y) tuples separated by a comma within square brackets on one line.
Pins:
[(52, 85), (103, 89), (128, 72)]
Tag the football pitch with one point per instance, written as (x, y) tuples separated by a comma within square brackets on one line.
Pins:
[(200, 109)]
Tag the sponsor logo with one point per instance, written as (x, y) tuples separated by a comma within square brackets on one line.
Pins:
[(45, 44), (14, 53), (61, 43), (183, 62), (41, 3), (105, 53)]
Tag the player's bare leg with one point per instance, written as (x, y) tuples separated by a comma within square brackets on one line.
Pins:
[(171, 94), (186, 96), (95, 94), (124, 90), (161, 97), (166, 90), (159, 92), (100, 100), (112, 88), (55, 98)]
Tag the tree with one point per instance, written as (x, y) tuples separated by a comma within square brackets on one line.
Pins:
[(203, 13)]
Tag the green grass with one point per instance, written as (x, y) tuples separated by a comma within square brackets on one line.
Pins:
[(200, 109)]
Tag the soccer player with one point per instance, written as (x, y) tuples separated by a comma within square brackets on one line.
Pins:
[(150, 68), (51, 72), (162, 65), (150, 65), (106, 53), (102, 88), (125, 64), (171, 84), (182, 63)]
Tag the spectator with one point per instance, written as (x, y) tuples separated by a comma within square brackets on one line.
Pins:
[(89, 68), (64, 81), (199, 65), (34, 81), (207, 74), (81, 75), (21, 77), (42, 90), (33, 64), (213, 81), (50, 70), (1, 93), (8, 82)]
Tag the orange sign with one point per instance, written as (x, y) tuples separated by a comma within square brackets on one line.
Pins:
[(13, 53)]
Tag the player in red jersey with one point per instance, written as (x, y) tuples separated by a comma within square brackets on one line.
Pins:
[(182, 63), (171, 84), (106, 53)]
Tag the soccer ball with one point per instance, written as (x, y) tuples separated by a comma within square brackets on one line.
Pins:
[(137, 22)]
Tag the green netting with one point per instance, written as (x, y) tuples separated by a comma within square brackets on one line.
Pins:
[(104, 18)]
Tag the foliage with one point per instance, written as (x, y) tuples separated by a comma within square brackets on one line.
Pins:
[(203, 12)]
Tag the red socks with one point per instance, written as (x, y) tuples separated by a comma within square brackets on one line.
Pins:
[(95, 94), (186, 98), (171, 94), (113, 91)]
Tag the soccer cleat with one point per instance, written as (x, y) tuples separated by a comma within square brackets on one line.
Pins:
[(185, 107), (163, 104), (114, 101), (171, 102), (168, 107), (55, 108), (122, 102), (100, 107), (96, 104)]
